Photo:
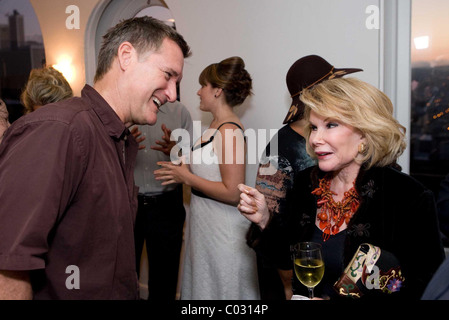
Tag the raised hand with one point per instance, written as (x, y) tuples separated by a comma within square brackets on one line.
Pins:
[(253, 206), (172, 173), (165, 145), (138, 136)]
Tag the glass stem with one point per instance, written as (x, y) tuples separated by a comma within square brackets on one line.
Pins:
[(310, 292)]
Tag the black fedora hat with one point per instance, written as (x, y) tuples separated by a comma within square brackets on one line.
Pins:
[(304, 74)]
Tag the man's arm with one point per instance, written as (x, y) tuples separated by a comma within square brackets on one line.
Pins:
[(15, 285)]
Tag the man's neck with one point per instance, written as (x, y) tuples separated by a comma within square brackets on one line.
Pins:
[(110, 92)]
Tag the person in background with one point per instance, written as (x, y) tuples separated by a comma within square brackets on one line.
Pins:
[(44, 86), (289, 156), (67, 193), (356, 195), (161, 213), (218, 264), (4, 123)]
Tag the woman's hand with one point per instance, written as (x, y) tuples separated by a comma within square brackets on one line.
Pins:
[(138, 136), (165, 145), (253, 206), (172, 173)]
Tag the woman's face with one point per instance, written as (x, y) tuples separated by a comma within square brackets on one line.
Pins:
[(335, 144), (207, 96)]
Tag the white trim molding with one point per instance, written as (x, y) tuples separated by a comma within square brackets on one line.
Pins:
[(395, 63)]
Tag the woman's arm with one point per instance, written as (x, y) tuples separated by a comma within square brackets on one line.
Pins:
[(230, 151)]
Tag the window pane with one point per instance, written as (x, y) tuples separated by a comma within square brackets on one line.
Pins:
[(429, 147), (21, 49)]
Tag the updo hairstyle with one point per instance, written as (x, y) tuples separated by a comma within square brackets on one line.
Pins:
[(231, 76)]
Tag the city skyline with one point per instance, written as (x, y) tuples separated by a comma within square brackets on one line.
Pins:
[(24, 7)]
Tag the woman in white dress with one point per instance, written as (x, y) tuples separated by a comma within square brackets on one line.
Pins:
[(218, 264)]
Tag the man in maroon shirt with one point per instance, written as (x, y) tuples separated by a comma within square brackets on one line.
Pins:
[(67, 194)]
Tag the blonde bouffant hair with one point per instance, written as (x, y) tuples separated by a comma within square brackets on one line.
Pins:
[(44, 86), (364, 107)]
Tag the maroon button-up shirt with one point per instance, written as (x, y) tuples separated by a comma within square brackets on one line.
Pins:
[(68, 200)]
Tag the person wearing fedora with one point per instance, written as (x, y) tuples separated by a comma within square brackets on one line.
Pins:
[(276, 171)]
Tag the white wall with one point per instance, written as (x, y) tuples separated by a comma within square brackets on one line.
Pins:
[(61, 42), (270, 36)]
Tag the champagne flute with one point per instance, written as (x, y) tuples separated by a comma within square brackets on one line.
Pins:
[(308, 263)]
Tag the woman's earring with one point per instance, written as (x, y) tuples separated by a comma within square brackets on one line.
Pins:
[(362, 148)]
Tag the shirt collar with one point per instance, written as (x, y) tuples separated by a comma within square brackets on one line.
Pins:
[(111, 121)]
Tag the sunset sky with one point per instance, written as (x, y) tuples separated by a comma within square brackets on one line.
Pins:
[(431, 18)]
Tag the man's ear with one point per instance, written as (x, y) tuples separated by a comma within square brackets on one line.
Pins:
[(126, 53)]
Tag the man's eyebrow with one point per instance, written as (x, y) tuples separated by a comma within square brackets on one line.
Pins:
[(173, 72)]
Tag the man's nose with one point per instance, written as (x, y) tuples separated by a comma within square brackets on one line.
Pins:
[(171, 92)]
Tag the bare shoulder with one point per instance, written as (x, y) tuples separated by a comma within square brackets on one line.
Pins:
[(235, 124)]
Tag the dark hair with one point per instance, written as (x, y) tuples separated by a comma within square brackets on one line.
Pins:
[(144, 33), (231, 76)]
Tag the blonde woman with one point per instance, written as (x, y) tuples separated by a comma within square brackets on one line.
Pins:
[(44, 86), (355, 195)]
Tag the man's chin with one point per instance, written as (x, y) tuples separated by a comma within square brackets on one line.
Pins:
[(151, 120), (148, 118)]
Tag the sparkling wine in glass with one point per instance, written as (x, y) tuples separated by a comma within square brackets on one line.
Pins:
[(309, 265)]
